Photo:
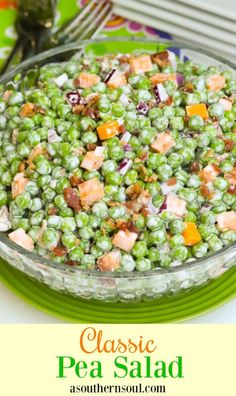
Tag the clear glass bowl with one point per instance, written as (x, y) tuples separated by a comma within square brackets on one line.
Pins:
[(126, 286)]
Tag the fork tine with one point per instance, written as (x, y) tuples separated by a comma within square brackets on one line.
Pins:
[(97, 19), (88, 20), (102, 24), (99, 23), (72, 24)]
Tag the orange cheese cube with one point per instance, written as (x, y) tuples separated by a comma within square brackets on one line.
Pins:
[(87, 80), (108, 130), (91, 191), (163, 143), (160, 78), (191, 234), (109, 261), (215, 82), (227, 221), (140, 64), (197, 109), (125, 240)]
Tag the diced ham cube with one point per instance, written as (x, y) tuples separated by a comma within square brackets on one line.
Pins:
[(226, 103), (125, 240), (227, 221), (117, 80), (87, 80), (140, 64), (215, 82), (18, 184), (92, 160), (109, 261), (91, 191), (20, 237), (160, 78), (209, 173), (163, 143), (175, 205)]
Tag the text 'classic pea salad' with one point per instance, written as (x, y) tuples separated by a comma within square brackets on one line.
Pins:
[(119, 163)]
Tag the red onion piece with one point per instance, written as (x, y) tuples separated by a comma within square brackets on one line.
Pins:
[(127, 147), (179, 79), (109, 75), (74, 98), (164, 205), (142, 108), (160, 93), (124, 166)]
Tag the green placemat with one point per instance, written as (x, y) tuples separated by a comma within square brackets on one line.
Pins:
[(164, 310)]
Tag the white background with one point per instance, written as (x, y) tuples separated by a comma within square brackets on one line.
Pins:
[(14, 310)]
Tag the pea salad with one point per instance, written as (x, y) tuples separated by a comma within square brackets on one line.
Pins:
[(119, 163)]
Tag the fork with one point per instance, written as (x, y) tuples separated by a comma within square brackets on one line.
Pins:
[(87, 24)]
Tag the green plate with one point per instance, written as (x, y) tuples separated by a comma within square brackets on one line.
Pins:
[(165, 310)]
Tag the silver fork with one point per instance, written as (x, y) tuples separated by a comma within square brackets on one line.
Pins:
[(87, 24)]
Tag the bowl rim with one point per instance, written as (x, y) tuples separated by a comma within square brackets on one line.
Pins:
[(59, 266)]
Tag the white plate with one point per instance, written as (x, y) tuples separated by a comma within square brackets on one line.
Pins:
[(224, 8), (192, 13), (178, 32), (183, 22)]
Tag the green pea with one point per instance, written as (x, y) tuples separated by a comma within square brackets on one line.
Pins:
[(50, 238), (143, 264)]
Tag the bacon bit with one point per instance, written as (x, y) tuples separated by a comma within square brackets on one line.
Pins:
[(204, 191), (122, 128), (229, 144), (127, 225), (232, 189), (37, 150), (134, 190), (111, 223), (59, 251), (52, 211), (30, 109), (169, 101), (72, 199), (145, 212), (124, 59), (172, 181), (161, 59), (72, 263), (143, 155), (113, 203), (142, 170), (21, 167), (195, 167), (78, 109), (91, 112), (91, 146), (153, 178), (188, 87)]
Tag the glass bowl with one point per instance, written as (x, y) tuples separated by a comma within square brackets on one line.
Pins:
[(125, 286)]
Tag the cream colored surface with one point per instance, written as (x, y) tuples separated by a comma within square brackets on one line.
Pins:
[(29, 366)]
